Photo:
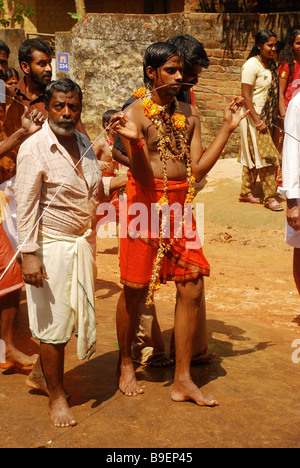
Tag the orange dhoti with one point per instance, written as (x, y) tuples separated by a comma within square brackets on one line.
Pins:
[(139, 236), (12, 279)]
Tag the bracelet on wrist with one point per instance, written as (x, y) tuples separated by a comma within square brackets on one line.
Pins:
[(136, 148)]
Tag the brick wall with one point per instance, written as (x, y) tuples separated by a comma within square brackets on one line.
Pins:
[(228, 39)]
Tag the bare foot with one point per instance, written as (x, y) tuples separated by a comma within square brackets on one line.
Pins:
[(60, 413), (127, 381), (14, 356), (187, 390)]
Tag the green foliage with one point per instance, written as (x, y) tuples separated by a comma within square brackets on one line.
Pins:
[(75, 16), (17, 16)]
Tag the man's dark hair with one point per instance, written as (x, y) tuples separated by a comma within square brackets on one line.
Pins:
[(156, 56), (29, 46), (65, 85), (191, 50), (107, 116), (4, 46)]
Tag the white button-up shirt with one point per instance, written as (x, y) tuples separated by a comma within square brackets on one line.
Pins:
[(51, 194)]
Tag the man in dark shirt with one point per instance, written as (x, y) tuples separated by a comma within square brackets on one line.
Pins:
[(35, 61)]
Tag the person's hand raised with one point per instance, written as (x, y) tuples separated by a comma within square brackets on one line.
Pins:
[(32, 120), (125, 127), (232, 113)]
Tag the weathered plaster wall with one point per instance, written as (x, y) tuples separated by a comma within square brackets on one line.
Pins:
[(107, 55)]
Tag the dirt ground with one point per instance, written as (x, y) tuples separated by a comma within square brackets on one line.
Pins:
[(253, 321)]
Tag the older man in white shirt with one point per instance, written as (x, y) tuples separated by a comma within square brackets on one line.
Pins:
[(58, 188), (291, 180)]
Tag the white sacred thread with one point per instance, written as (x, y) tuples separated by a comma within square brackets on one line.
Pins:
[(62, 185)]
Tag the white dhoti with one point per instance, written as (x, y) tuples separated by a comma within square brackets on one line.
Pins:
[(66, 303)]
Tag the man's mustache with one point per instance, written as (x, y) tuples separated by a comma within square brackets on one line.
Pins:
[(64, 120)]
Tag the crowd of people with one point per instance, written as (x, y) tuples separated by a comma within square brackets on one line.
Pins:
[(52, 181)]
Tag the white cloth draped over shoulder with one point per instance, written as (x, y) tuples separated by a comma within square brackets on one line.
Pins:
[(291, 163)]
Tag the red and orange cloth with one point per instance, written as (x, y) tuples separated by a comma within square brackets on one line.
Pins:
[(12, 280), (293, 85), (138, 250)]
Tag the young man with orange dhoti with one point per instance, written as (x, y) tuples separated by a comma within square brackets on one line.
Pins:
[(163, 139)]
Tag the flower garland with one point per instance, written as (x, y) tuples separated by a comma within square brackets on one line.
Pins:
[(175, 129)]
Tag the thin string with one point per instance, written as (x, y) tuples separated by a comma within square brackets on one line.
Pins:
[(251, 111), (78, 162)]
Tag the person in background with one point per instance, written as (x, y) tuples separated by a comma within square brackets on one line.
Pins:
[(279, 50), (289, 72), (12, 81), (11, 279), (291, 181), (289, 86), (10, 271), (258, 154), (195, 60), (110, 169)]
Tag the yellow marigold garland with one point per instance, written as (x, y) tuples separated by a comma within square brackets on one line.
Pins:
[(178, 124), (138, 93), (179, 121)]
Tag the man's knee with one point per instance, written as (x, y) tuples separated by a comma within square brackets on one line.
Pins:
[(135, 296), (10, 301), (191, 291)]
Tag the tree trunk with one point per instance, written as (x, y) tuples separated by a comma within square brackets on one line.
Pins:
[(80, 7)]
